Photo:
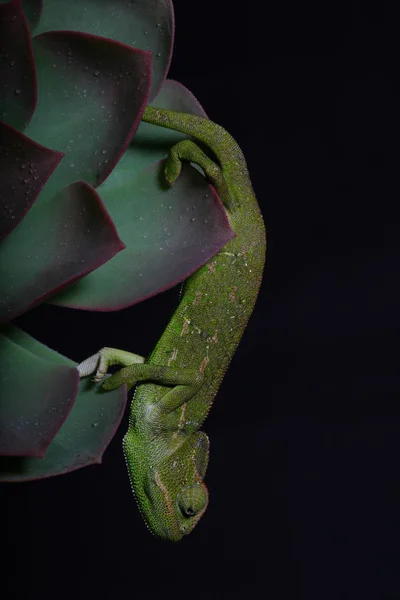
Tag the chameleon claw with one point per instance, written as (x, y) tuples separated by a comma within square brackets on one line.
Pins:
[(100, 362), (89, 365), (173, 167), (97, 363)]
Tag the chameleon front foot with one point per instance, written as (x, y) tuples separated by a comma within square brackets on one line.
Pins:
[(100, 362)]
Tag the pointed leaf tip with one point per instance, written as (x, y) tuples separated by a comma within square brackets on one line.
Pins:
[(55, 244), (92, 92), (35, 399), (145, 24), (189, 228), (81, 441), (25, 167), (85, 434)]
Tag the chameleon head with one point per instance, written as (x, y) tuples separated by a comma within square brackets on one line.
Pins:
[(172, 496)]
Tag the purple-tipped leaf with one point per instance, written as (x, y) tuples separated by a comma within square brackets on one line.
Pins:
[(25, 167), (92, 92), (168, 232), (17, 70), (145, 24), (87, 431), (55, 244), (35, 399)]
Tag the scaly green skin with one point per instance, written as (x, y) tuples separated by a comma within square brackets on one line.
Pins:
[(165, 453)]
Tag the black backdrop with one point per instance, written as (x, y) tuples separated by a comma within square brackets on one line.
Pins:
[(305, 444)]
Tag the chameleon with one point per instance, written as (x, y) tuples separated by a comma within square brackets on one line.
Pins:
[(165, 451)]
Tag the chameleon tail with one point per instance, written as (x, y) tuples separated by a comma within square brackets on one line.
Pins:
[(222, 144), (188, 150)]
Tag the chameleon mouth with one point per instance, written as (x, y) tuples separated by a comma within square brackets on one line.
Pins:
[(188, 527)]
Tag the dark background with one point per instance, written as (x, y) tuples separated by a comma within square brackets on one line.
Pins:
[(305, 445)]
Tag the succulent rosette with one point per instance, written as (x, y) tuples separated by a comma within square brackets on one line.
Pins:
[(86, 220)]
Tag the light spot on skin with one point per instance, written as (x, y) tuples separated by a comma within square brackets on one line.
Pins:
[(204, 363), (185, 327), (212, 266), (173, 356), (232, 294), (149, 411), (214, 338), (197, 298), (181, 421), (182, 417)]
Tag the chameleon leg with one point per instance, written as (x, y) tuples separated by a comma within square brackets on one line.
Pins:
[(103, 359), (186, 382), (188, 150)]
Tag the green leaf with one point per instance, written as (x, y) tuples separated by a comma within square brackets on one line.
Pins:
[(84, 436), (25, 167), (145, 24), (55, 243), (31, 414), (168, 233), (17, 69), (92, 93)]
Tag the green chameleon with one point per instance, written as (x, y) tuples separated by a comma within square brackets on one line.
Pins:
[(165, 452)]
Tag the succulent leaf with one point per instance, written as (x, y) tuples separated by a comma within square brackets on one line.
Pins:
[(92, 93), (27, 428), (84, 436), (168, 233), (55, 243), (25, 167), (145, 24), (17, 70)]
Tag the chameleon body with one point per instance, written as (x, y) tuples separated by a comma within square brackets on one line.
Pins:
[(165, 452)]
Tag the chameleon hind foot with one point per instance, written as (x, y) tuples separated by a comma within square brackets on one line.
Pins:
[(103, 359)]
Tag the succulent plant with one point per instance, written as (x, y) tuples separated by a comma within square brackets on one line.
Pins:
[(86, 220)]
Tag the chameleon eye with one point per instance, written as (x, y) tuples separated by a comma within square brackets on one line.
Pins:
[(192, 500)]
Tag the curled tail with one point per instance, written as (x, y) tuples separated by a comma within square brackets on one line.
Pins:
[(222, 144)]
